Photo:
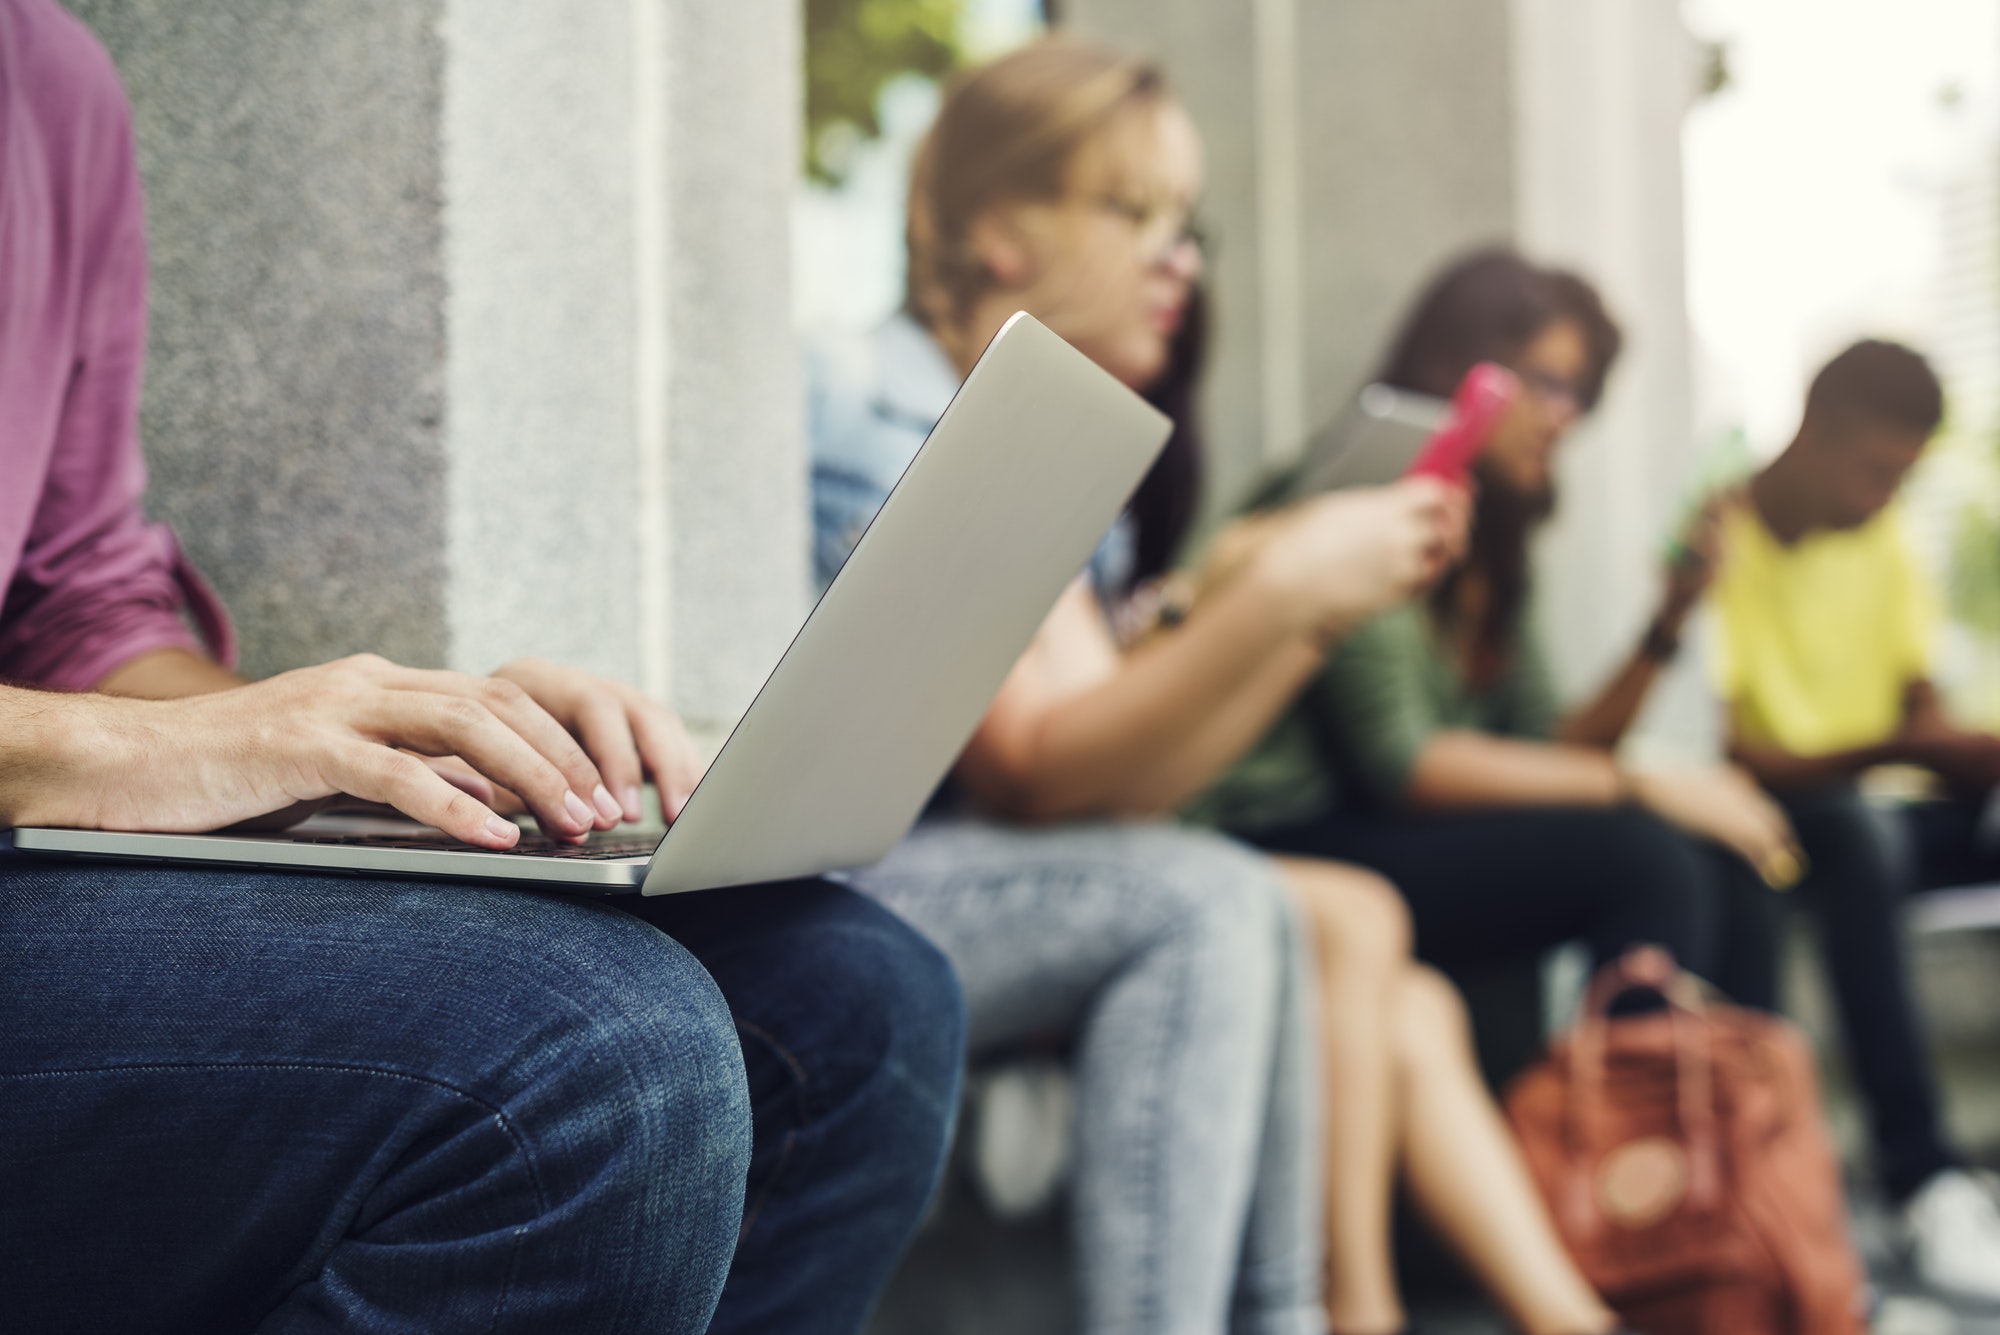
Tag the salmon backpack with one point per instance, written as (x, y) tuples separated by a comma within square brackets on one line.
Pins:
[(1683, 1155)]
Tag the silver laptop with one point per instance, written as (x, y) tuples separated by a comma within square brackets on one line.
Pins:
[(877, 694)]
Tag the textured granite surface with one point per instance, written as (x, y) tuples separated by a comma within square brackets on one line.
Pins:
[(295, 400), (408, 334)]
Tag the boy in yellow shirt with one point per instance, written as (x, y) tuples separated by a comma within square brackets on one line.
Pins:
[(1826, 627)]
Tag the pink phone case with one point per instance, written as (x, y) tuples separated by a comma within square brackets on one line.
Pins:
[(1475, 410)]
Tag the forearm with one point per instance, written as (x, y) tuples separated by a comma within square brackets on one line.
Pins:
[(1787, 771), (1157, 730), (1458, 770), (47, 743), (1604, 721), (168, 674), (1207, 750)]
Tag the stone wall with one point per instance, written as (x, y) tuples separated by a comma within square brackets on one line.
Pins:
[(1408, 158), (295, 396), (1602, 91), (471, 328)]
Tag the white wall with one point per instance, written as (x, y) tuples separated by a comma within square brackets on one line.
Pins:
[(471, 327), (1600, 92)]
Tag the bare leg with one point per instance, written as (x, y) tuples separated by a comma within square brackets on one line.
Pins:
[(1468, 1176), (1360, 932)]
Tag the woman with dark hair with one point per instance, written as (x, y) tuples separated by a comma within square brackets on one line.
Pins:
[(1060, 181), (1431, 748)]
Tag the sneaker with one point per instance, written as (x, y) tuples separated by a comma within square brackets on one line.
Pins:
[(1904, 1314), (1020, 1131), (1952, 1230)]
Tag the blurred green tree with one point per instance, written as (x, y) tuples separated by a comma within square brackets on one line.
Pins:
[(853, 48), (1715, 74), (1973, 565)]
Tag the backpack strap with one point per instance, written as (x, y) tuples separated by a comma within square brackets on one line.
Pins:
[(1646, 969)]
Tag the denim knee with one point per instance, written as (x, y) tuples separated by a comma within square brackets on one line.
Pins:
[(635, 1111), (1227, 893), (635, 1062), (896, 993), (412, 1100), (626, 1090)]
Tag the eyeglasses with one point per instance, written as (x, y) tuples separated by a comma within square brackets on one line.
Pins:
[(1554, 390), (1160, 228)]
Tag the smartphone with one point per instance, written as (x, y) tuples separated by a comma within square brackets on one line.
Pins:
[(1476, 409), (1369, 445)]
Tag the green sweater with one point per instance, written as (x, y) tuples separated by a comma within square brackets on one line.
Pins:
[(1353, 736)]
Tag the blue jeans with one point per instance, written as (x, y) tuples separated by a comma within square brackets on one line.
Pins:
[(250, 1102), (1168, 962)]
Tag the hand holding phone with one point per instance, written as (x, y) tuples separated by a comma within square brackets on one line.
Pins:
[(1476, 409)]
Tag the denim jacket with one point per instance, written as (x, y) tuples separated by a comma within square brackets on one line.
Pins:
[(870, 401)]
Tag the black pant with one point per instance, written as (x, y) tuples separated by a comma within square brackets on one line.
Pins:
[(1486, 887), (1864, 861)]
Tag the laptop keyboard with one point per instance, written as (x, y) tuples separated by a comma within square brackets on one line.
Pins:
[(598, 849)]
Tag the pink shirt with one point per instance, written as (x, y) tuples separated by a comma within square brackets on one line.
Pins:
[(89, 583)]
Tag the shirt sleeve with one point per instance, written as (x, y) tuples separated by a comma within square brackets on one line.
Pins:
[(858, 452), (97, 585), (1373, 709), (844, 503)]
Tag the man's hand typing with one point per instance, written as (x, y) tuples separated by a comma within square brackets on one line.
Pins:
[(211, 761)]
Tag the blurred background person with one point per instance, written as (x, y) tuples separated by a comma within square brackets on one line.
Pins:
[(1431, 748), (1827, 628)]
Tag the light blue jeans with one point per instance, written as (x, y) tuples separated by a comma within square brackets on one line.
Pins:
[(1171, 960)]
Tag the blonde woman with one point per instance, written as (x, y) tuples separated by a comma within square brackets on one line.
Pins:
[(1060, 180)]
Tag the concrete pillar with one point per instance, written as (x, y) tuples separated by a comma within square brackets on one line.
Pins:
[(471, 332), (1600, 94), (1212, 56), (1408, 160)]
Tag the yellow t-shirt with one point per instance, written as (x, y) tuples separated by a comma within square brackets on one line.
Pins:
[(1816, 643)]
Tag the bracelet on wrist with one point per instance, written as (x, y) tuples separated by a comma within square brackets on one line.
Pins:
[(1662, 643)]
